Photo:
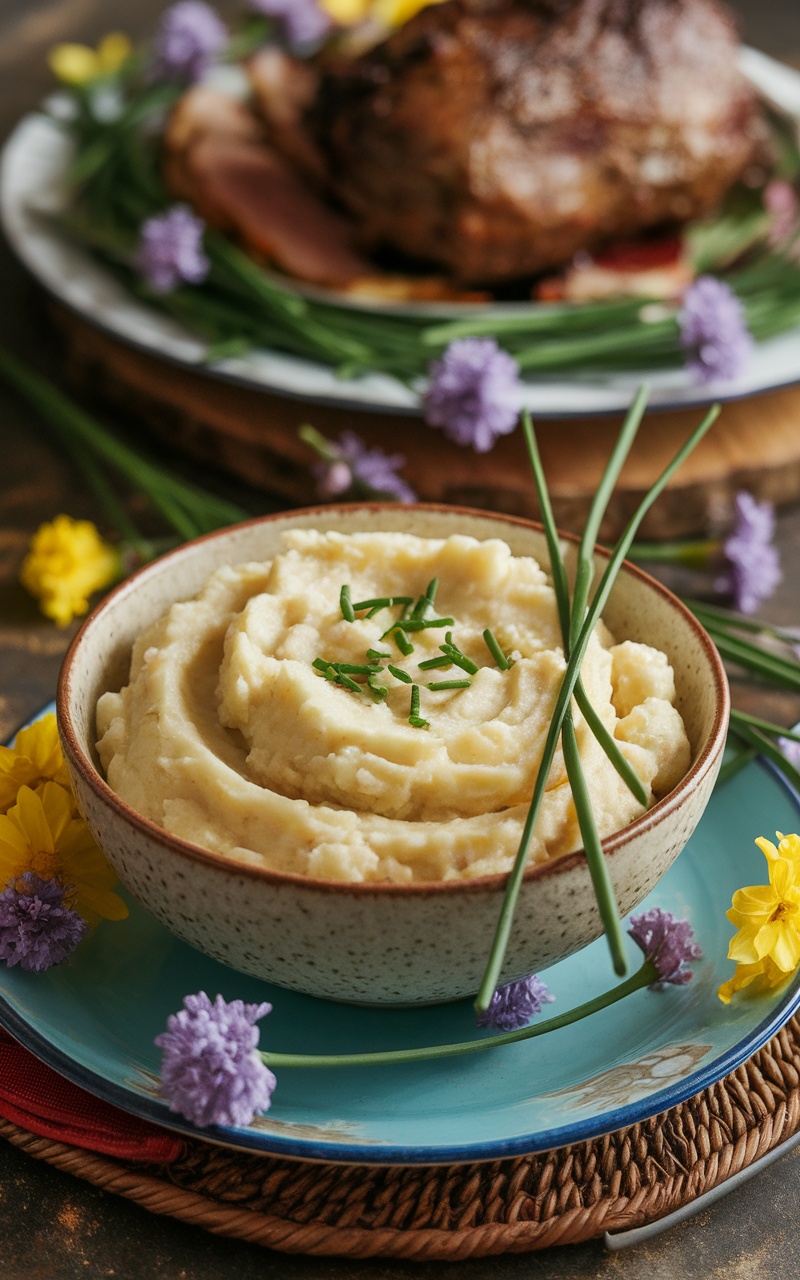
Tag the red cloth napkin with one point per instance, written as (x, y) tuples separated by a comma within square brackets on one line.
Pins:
[(38, 1099)]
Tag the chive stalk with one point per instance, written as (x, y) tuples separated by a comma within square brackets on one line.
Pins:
[(505, 921)]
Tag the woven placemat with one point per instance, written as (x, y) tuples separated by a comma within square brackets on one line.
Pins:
[(447, 1213)]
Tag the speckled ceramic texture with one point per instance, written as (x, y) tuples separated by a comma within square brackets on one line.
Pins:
[(377, 943)]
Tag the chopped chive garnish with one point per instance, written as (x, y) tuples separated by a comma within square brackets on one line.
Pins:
[(378, 691), (322, 664), (497, 653), (400, 638), (460, 659), (425, 602), (353, 669), (377, 656), (400, 675), (431, 664), (346, 604), (382, 602), (451, 684), (414, 718), (422, 624), (348, 683)]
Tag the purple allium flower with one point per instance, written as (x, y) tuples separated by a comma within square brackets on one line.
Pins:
[(369, 469), (668, 943), (714, 332), (171, 249), (473, 393), (37, 930), (516, 1003), (211, 1071), (791, 750), (303, 21), (752, 567), (189, 39)]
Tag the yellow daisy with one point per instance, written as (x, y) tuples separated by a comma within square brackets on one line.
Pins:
[(78, 63), (40, 833), (768, 919), (67, 562), (763, 976), (34, 759)]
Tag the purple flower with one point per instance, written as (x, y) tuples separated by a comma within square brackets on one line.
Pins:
[(668, 943), (473, 393), (211, 1070), (302, 20), (171, 249), (752, 568), (189, 39), (37, 930), (714, 333), (516, 1003), (791, 750), (363, 468)]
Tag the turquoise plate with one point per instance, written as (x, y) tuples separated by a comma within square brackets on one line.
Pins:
[(94, 1020)]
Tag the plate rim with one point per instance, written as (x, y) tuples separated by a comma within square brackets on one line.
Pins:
[(333, 1152)]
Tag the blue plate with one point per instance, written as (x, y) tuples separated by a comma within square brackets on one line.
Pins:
[(94, 1020)]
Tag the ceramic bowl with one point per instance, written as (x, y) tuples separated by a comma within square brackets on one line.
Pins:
[(382, 943)]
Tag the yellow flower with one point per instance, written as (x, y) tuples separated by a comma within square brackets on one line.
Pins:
[(40, 833), (77, 63), (392, 13), (67, 561), (34, 759), (765, 975), (788, 847)]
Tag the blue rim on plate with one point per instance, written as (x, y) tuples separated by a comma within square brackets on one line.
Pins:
[(93, 1020)]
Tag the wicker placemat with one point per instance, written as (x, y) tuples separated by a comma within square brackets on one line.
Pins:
[(622, 1180)]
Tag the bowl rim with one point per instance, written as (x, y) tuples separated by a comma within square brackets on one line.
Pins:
[(662, 809)]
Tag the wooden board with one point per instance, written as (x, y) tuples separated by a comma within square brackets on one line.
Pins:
[(251, 434)]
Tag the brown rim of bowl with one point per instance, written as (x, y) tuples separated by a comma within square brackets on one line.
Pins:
[(652, 817)]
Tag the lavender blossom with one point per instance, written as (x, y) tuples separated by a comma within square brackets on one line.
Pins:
[(752, 567), (668, 943), (303, 21), (791, 750), (171, 249), (37, 929), (473, 393), (357, 466), (188, 41), (514, 1004), (211, 1070), (714, 332)]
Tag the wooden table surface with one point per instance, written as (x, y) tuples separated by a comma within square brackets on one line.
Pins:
[(53, 1227)]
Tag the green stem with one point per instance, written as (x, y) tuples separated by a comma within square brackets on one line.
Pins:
[(643, 977), (732, 767), (766, 726), (772, 667), (698, 554), (505, 921), (765, 746)]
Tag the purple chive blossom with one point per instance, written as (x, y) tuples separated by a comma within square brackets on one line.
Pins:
[(188, 41), (363, 468), (37, 930), (473, 393), (516, 1003), (751, 569), (171, 249), (791, 750), (714, 332), (668, 943), (211, 1071), (303, 21)]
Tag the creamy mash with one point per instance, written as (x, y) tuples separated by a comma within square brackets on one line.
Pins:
[(231, 738)]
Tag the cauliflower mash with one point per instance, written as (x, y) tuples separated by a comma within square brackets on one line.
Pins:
[(261, 723)]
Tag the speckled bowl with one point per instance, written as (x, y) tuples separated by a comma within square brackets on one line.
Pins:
[(376, 942)]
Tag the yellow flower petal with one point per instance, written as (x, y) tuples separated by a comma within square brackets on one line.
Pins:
[(742, 947), (113, 50), (66, 563), (346, 12), (785, 951), (30, 817), (74, 63), (767, 848), (396, 12)]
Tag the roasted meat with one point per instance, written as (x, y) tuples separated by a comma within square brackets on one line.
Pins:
[(495, 138)]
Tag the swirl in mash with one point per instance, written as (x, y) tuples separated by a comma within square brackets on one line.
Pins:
[(228, 737)]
